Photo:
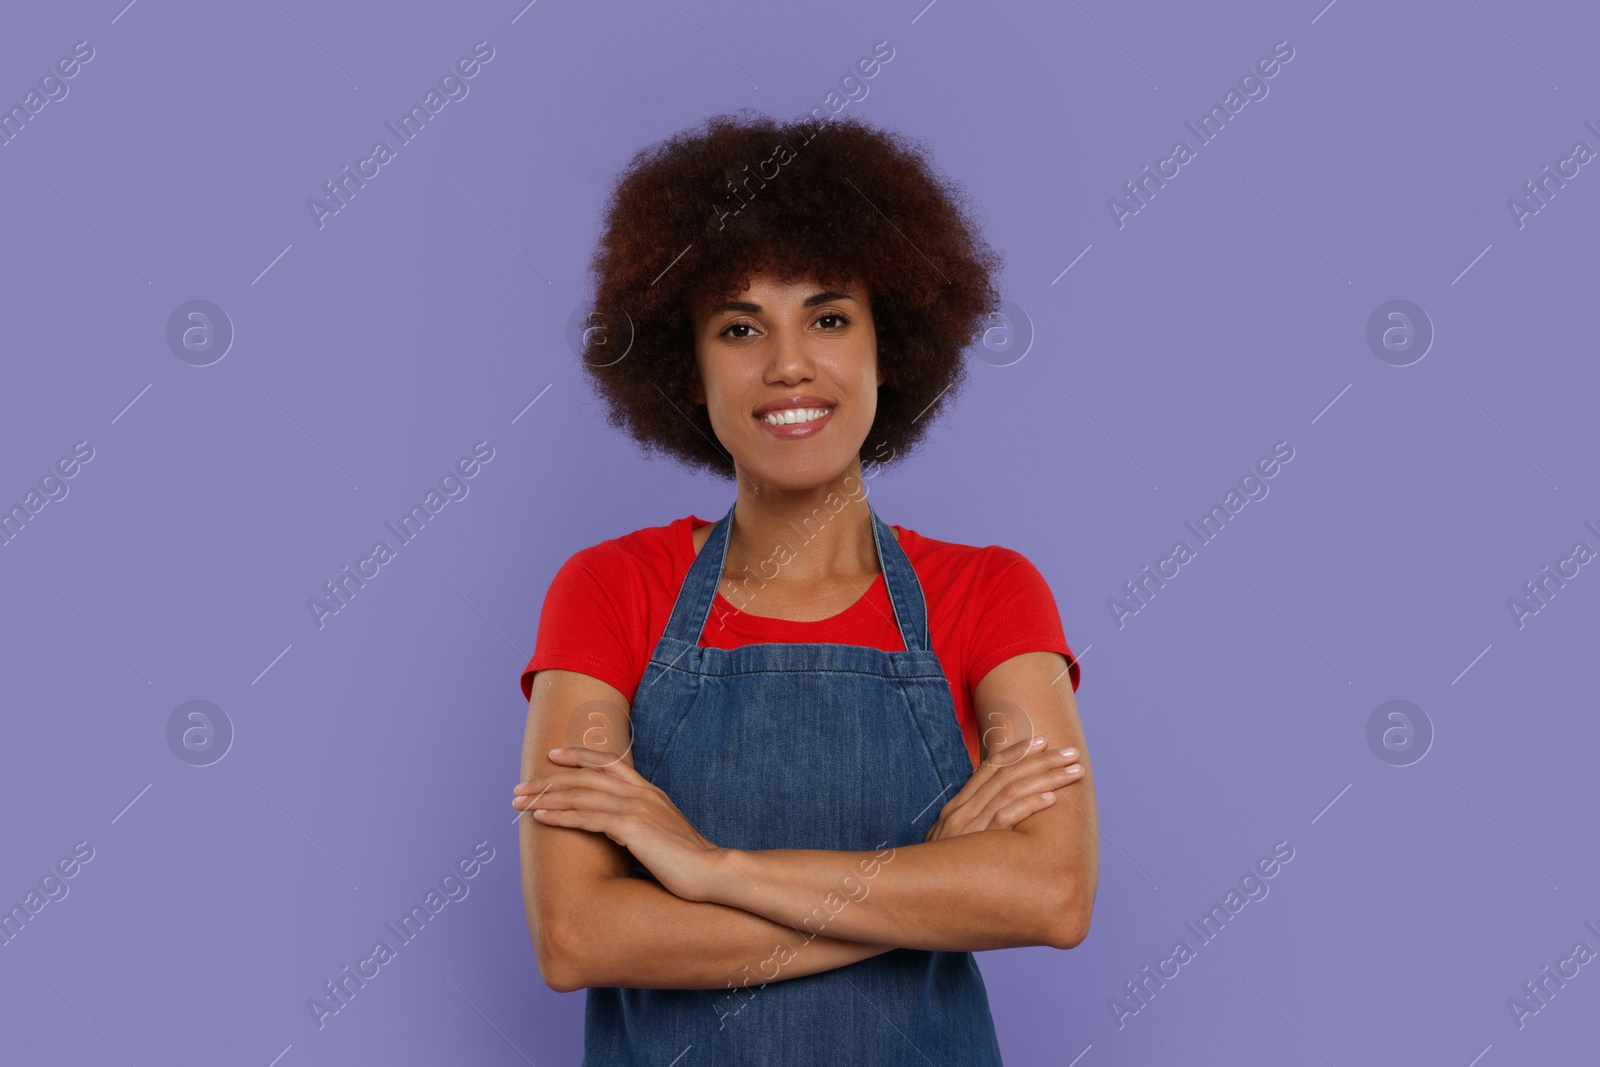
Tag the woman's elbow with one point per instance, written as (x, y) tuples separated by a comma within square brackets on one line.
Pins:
[(1070, 907), (1070, 931), (553, 948), (557, 980)]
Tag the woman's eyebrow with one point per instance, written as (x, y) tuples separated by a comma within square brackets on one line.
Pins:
[(810, 301)]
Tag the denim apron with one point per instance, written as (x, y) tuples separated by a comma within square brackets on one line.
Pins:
[(813, 746)]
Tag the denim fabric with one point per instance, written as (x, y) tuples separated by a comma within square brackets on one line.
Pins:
[(821, 746)]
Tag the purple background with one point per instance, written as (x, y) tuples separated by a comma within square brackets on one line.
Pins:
[(1228, 314)]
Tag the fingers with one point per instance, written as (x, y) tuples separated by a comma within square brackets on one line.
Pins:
[(1049, 778), (543, 782), (582, 778), (992, 764), (618, 767), (1009, 755), (1026, 795), (571, 796), (1032, 786), (1011, 782), (599, 759), (1007, 788), (1011, 814), (597, 821)]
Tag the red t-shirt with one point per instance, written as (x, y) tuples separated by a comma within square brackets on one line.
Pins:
[(609, 604)]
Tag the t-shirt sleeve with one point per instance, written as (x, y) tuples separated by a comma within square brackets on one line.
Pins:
[(1018, 615), (583, 624)]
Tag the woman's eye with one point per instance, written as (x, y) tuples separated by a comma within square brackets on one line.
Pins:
[(839, 320)]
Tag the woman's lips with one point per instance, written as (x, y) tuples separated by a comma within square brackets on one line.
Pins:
[(797, 429)]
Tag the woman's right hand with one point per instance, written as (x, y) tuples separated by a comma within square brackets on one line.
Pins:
[(1006, 788)]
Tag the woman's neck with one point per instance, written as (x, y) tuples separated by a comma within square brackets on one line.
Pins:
[(810, 554)]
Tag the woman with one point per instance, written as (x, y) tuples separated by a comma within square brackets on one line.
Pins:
[(755, 778)]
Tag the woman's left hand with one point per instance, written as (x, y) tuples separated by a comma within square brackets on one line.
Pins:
[(603, 793)]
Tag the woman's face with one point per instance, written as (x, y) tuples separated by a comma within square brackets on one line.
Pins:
[(800, 351)]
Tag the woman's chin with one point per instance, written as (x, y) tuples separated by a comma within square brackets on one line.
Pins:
[(797, 473)]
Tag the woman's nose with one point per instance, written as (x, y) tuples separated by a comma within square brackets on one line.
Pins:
[(789, 360)]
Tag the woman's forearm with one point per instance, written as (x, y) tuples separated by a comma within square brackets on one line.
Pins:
[(633, 932), (967, 893)]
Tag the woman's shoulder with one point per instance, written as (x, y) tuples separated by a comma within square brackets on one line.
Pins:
[(954, 558), (650, 549), (990, 600)]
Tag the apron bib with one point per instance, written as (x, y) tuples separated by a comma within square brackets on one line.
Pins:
[(789, 745)]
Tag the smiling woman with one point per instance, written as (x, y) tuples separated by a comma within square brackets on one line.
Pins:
[(704, 801)]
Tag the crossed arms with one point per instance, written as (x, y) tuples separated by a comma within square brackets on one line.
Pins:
[(714, 914)]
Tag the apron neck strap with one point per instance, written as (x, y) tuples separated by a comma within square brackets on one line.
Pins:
[(693, 607)]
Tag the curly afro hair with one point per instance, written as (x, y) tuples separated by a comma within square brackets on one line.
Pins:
[(694, 217)]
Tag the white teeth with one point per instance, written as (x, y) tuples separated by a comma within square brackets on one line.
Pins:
[(788, 416)]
